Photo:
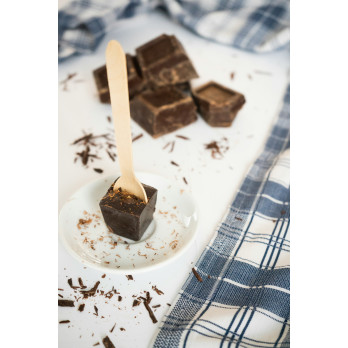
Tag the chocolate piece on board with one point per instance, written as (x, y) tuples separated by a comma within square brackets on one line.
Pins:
[(127, 215), (163, 110), (217, 104), (135, 82), (163, 61)]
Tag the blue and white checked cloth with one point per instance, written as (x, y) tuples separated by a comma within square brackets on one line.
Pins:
[(253, 25), (244, 299)]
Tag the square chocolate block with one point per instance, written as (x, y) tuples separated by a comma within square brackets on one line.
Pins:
[(163, 61), (163, 110), (217, 104), (127, 215), (135, 82), (101, 81)]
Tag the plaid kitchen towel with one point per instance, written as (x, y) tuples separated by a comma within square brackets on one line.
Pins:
[(243, 299), (253, 25)]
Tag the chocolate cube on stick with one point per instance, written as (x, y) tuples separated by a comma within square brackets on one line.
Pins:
[(127, 215), (217, 104), (163, 110), (135, 82), (163, 61)]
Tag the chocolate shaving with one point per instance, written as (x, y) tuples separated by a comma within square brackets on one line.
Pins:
[(90, 292), (197, 275), (172, 148), (103, 276), (96, 310), (159, 292), (71, 284), (112, 329), (109, 119), (61, 296), (119, 298), (185, 181), (182, 137), (174, 163), (107, 342), (165, 146), (122, 329), (88, 141), (66, 303), (64, 322), (111, 155), (96, 344), (217, 148), (66, 80), (136, 303), (156, 306), (81, 307), (83, 286), (238, 218), (146, 302), (137, 137), (98, 170), (129, 277)]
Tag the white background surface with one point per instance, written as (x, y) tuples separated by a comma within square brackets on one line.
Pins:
[(212, 182)]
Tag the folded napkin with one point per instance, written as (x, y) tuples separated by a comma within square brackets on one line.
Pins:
[(243, 299), (254, 25)]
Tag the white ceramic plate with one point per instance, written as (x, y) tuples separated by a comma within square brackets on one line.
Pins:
[(85, 235)]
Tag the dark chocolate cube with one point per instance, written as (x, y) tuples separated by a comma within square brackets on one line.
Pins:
[(127, 215), (101, 81), (163, 110), (135, 82), (217, 104), (163, 61)]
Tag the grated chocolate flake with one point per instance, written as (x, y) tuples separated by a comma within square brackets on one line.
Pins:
[(197, 275)]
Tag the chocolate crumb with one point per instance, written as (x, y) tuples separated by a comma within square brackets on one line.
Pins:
[(119, 298), (98, 170), (174, 163), (197, 275), (64, 322), (232, 75), (185, 181), (103, 276), (238, 218), (107, 342), (109, 119), (122, 329), (66, 303), (282, 212), (96, 344), (168, 304), (112, 329), (81, 307), (129, 277)]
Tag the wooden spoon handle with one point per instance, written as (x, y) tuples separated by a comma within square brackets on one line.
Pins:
[(118, 85)]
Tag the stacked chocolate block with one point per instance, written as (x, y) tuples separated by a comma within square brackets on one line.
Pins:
[(161, 100)]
